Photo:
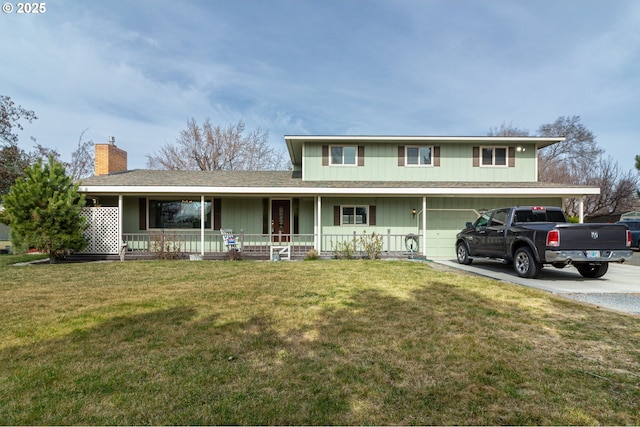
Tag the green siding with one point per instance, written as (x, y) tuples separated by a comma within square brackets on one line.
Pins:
[(391, 214), (456, 164), (130, 220), (305, 215), (242, 214)]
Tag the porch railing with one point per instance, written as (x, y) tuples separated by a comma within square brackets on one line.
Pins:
[(260, 244)]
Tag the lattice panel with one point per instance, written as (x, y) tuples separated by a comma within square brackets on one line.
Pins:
[(103, 230)]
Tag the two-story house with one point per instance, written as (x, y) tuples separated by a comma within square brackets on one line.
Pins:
[(425, 187)]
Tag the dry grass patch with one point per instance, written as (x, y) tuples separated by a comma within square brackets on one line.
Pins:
[(331, 342)]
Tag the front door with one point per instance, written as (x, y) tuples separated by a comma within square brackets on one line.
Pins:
[(280, 220)]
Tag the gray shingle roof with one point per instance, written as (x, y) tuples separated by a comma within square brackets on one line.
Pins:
[(280, 179)]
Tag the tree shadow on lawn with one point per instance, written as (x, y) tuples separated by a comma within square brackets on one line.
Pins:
[(378, 359)]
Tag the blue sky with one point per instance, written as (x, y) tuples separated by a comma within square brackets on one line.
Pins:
[(139, 70)]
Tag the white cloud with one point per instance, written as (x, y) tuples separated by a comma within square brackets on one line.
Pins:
[(139, 70)]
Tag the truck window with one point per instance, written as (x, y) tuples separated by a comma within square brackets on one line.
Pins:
[(555, 216), (539, 216), (499, 218), (483, 220)]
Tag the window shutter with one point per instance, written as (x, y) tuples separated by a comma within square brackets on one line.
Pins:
[(512, 157), (325, 155), (336, 215), (360, 155), (296, 215), (476, 157), (265, 216), (372, 215), (436, 156), (401, 155), (142, 213), (217, 214)]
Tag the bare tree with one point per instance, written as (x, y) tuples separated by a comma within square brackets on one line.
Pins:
[(81, 164), (578, 152), (507, 129), (579, 160), (10, 116), (617, 190), (209, 147)]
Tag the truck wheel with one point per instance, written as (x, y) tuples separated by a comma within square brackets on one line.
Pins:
[(592, 271), (463, 254), (525, 264)]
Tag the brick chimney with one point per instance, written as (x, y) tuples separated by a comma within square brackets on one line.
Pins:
[(109, 158)]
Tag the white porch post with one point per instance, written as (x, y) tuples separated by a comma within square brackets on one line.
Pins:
[(120, 219), (424, 225), (202, 224), (581, 209), (318, 227)]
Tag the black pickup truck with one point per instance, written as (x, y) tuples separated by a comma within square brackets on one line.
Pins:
[(532, 236)]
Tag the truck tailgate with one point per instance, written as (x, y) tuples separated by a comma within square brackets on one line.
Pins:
[(592, 236)]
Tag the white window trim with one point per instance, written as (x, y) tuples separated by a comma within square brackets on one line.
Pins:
[(493, 156), (406, 156), (342, 223), (355, 164)]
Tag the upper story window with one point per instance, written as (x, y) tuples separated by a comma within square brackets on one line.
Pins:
[(493, 156), (419, 156), (488, 156), (343, 155)]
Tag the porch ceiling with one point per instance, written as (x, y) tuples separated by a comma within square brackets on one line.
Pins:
[(286, 182)]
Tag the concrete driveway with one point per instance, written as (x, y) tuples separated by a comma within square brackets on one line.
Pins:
[(619, 289)]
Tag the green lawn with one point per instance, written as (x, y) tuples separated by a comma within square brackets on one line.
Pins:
[(324, 342)]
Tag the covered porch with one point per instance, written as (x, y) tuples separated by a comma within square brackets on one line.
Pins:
[(136, 226), (402, 226)]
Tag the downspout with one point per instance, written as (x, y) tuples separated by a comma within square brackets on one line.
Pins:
[(120, 219), (424, 226), (319, 225), (202, 224)]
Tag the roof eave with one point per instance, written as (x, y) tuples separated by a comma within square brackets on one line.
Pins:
[(326, 191)]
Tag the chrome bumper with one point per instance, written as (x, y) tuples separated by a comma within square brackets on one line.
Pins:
[(583, 256)]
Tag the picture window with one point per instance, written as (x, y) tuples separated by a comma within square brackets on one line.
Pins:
[(178, 213)]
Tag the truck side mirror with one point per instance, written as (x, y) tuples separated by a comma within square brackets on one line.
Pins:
[(469, 225)]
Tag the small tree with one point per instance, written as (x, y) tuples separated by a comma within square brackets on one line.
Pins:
[(44, 211)]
